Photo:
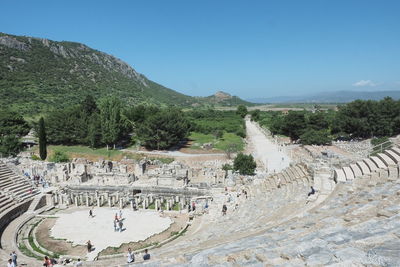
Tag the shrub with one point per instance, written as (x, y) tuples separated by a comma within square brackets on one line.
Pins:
[(245, 164), (59, 156)]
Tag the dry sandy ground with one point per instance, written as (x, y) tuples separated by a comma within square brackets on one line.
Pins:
[(78, 227), (270, 155)]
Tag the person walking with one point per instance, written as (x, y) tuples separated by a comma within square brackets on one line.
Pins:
[(89, 246), (91, 213), (120, 224), (224, 209), (130, 256), (14, 258), (312, 192), (115, 225)]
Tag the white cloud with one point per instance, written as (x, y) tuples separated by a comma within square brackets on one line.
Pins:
[(364, 83)]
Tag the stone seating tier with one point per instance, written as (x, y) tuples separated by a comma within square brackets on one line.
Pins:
[(376, 168), (15, 186), (353, 227)]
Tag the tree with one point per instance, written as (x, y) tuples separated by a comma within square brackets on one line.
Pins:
[(9, 145), (164, 129), (241, 110), (317, 121), (294, 124), (12, 123), (12, 126), (230, 149), (315, 137), (110, 118), (93, 138), (255, 115), (245, 164), (89, 105), (42, 140)]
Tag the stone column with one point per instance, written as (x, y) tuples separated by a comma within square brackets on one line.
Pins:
[(76, 201), (156, 204), (87, 200), (98, 202), (121, 203), (131, 203), (168, 205), (110, 201)]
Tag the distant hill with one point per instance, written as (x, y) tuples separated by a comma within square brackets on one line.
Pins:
[(330, 97), (225, 99), (38, 74)]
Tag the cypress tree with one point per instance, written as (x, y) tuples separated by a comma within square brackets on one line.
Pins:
[(42, 140)]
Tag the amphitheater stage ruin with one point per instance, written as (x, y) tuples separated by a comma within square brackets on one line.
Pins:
[(77, 227)]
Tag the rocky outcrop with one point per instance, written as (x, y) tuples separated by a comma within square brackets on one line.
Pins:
[(13, 43)]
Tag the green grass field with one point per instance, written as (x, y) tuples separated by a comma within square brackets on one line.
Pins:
[(102, 152), (220, 144)]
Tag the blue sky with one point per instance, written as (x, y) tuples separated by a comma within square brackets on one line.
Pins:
[(247, 48)]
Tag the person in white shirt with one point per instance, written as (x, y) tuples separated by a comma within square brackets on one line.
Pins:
[(130, 256), (10, 263), (78, 263)]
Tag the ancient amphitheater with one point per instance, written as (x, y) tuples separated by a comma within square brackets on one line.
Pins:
[(352, 219)]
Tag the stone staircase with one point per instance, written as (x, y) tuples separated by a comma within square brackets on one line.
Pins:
[(13, 188)]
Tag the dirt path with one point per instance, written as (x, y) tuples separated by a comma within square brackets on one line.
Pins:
[(270, 157)]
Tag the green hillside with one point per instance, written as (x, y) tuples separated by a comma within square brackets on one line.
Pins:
[(37, 75)]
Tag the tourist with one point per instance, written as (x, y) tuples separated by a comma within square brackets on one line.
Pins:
[(120, 224), (79, 263), (224, 209), (10, 263), (91, 213), (116, 217), (245, 193), (120, 214), (146, 255), (89, 246), (115, 225), (312, 192), (47, 262), (131, 256), (14, 258), (193, 206)]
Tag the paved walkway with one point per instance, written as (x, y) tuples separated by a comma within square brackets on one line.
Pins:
[(265, 150)]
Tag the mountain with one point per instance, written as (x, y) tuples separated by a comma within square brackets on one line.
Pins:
[(330, 97), (38, 74), (225, 99)]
